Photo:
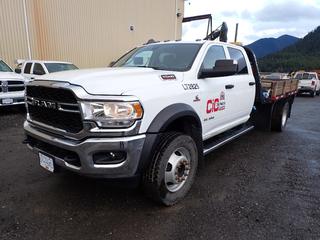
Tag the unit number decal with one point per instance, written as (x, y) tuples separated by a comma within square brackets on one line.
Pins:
[(190, 86)]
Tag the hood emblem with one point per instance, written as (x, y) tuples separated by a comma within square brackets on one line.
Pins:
[(44, 104), (4, 86), (168, 77)]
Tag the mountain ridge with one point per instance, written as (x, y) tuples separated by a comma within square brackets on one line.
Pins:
[(265, 46), (304, 54)]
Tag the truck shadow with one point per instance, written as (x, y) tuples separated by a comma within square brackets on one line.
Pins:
[(13, 110), (98, 193)]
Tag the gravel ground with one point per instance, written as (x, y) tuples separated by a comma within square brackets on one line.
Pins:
[(261, 186)]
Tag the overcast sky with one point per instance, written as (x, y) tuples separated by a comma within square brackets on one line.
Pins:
[(257, 18)]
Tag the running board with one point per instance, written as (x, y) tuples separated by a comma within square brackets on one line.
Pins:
[(224, 138)]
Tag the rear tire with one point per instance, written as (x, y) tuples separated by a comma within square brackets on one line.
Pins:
[(280, 117), (173, 169)]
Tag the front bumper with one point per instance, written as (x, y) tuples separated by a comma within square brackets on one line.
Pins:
[(12, 98), (305, 89), (57, 147)]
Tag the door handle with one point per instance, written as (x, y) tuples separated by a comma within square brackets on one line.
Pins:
[(229, 86), (252, 83)]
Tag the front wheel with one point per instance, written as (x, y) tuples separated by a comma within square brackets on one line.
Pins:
[(172, 170)]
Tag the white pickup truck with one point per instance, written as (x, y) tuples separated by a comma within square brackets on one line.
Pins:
[(308, 82), (33, 68), (153, 115), (12, 86)]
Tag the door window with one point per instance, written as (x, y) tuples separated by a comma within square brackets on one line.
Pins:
[(27, 68), (213, 54), (38, 69), (237, 55)]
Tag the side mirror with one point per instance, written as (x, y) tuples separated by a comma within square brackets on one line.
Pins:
[(222, 68), (17, 70)]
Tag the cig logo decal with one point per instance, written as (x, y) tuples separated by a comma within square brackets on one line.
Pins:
[(216, 104)]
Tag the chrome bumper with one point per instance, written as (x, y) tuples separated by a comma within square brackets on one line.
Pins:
[(131, 145), (17, 98), (306, 89)]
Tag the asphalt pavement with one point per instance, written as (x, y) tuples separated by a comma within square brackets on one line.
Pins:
[(262, 186)]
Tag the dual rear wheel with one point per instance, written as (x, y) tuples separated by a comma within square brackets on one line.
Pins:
[(280, 116)]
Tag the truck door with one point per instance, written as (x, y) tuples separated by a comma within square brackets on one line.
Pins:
[(27, 70), (243, 94), (217, 93)]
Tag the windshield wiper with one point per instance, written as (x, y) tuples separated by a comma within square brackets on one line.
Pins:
[(157, 68), (142, 66), (153, 67)]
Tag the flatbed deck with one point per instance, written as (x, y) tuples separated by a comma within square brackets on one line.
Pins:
[(280, 88)]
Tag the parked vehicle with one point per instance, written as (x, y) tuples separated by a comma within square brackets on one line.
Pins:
[(12, 86), (308, 83), (154, 114), (33, 68), (275, 76)]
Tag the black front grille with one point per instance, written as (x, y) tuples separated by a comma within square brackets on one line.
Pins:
[(69, 121), (15, 82), (52, 94), (11, 86), (15, 88)]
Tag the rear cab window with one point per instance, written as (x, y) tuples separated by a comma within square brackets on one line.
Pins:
[(312, 76), (305, 76), (237, 55)]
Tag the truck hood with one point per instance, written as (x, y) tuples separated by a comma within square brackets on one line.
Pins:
[(112, 81), (11, 75)]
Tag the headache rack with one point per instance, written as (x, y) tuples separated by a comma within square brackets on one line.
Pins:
[(220, 32)]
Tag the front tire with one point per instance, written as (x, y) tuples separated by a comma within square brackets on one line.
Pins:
[(172, 170)]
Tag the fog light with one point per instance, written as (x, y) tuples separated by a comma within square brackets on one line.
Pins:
[(109, 157)]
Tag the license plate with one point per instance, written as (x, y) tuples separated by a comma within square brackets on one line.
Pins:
[(46, 162), (7, 101)]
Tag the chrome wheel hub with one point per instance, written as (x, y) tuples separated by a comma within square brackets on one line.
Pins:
[(177, 169), (284, 115)]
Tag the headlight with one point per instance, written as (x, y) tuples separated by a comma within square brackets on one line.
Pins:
[(112, 114)]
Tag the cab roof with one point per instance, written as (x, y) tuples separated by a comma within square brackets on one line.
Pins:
[(45, 61)]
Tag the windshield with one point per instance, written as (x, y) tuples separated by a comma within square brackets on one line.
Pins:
[(4, 67), (172, 57), (58, 67)]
